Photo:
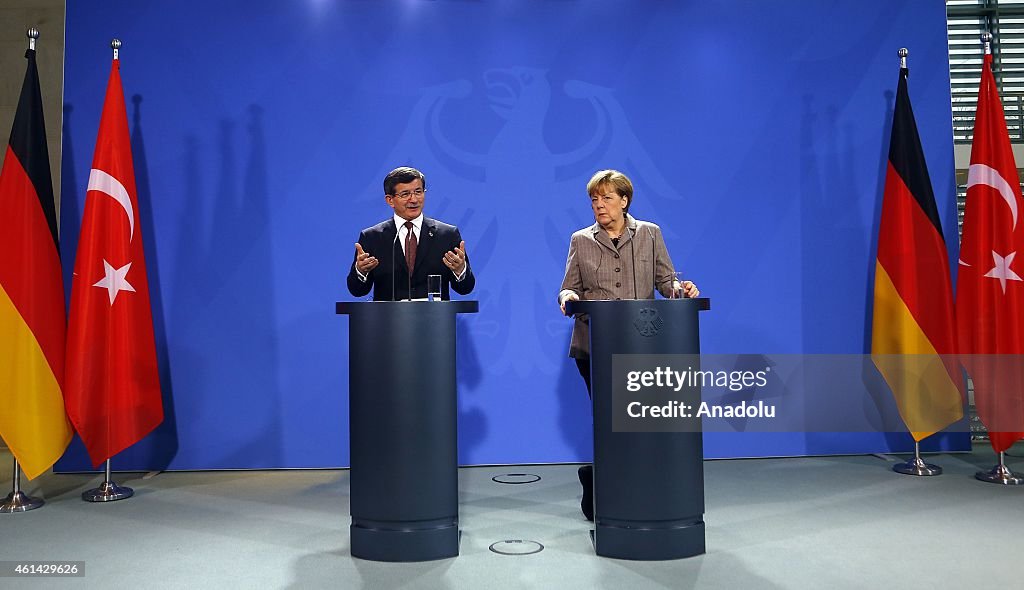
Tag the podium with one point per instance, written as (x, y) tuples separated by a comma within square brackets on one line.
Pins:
[(648, 486), (403, 433)]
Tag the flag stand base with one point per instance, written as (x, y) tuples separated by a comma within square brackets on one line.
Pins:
[(108, 492), (1000, 474), (917, 466), (19, 502)]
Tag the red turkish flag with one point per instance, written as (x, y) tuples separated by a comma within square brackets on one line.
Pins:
[(990, 287), (112, 386)]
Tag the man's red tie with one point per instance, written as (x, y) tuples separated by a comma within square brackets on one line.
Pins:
[(410, 247)]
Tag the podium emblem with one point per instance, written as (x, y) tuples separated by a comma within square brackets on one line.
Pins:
[(648, 322)]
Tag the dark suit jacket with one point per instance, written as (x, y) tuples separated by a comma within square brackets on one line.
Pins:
[(390, 279)]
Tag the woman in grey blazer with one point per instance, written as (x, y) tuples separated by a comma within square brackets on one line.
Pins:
[(619, 257)]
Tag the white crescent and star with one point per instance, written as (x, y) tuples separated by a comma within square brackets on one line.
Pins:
[(980, 174), (114, 280)]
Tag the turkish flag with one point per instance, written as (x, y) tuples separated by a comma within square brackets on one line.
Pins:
[(112, 387), (990, 289)]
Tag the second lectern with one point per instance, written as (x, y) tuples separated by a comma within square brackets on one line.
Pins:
[(402, 428), (648, 486)]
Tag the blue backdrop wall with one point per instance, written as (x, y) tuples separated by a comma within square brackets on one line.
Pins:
[(756, 134)]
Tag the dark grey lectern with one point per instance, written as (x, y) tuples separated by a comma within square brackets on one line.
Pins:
[(648, 486), (402, 429)]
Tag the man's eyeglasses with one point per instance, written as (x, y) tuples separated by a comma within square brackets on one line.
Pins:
[(404, 195)]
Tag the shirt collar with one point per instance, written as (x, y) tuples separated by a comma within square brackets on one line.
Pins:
[(417, 223)]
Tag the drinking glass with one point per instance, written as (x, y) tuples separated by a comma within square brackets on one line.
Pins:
[(677, 284), (433, 287)]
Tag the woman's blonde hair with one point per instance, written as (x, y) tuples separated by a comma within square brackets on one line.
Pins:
[(614, 179)]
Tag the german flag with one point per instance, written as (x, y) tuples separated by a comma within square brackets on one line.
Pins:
[(913, 318), (32, 318)]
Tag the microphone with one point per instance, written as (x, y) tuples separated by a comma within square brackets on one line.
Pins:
[(632, 255), (654, 261), (408, 274), (393, 243)]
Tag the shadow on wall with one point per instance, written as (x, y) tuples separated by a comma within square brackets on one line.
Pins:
[(70, 203), (70, 216), (157, 450), (225, 298)]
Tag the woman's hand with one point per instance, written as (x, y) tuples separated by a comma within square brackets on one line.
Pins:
[(571, 296), (687, 288)]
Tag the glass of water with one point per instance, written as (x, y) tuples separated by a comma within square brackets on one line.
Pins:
[(677, 285), (433, 287)]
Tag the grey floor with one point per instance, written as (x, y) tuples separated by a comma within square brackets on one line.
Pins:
[(837, 522)]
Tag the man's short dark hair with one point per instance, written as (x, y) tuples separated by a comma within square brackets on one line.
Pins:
[(401, 175)]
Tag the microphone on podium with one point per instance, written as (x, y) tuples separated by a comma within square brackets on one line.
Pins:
[(393, 244)]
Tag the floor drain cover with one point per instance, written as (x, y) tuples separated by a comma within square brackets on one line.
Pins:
[(516, 547), (516, 478)]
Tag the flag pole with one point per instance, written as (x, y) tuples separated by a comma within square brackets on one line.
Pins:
[(18, 501), (916, 465), (108, 491), (1000, 474)]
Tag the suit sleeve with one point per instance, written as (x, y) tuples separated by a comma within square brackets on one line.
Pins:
[(664, 270), (572, 282), (357, 287), (467, 283)]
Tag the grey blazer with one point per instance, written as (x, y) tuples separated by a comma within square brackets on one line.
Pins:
[(596, 270)]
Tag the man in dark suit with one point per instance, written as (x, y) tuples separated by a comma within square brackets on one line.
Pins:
[(395, 256)]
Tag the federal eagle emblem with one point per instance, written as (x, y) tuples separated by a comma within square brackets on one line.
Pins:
[(648, 322), (481, 135)]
